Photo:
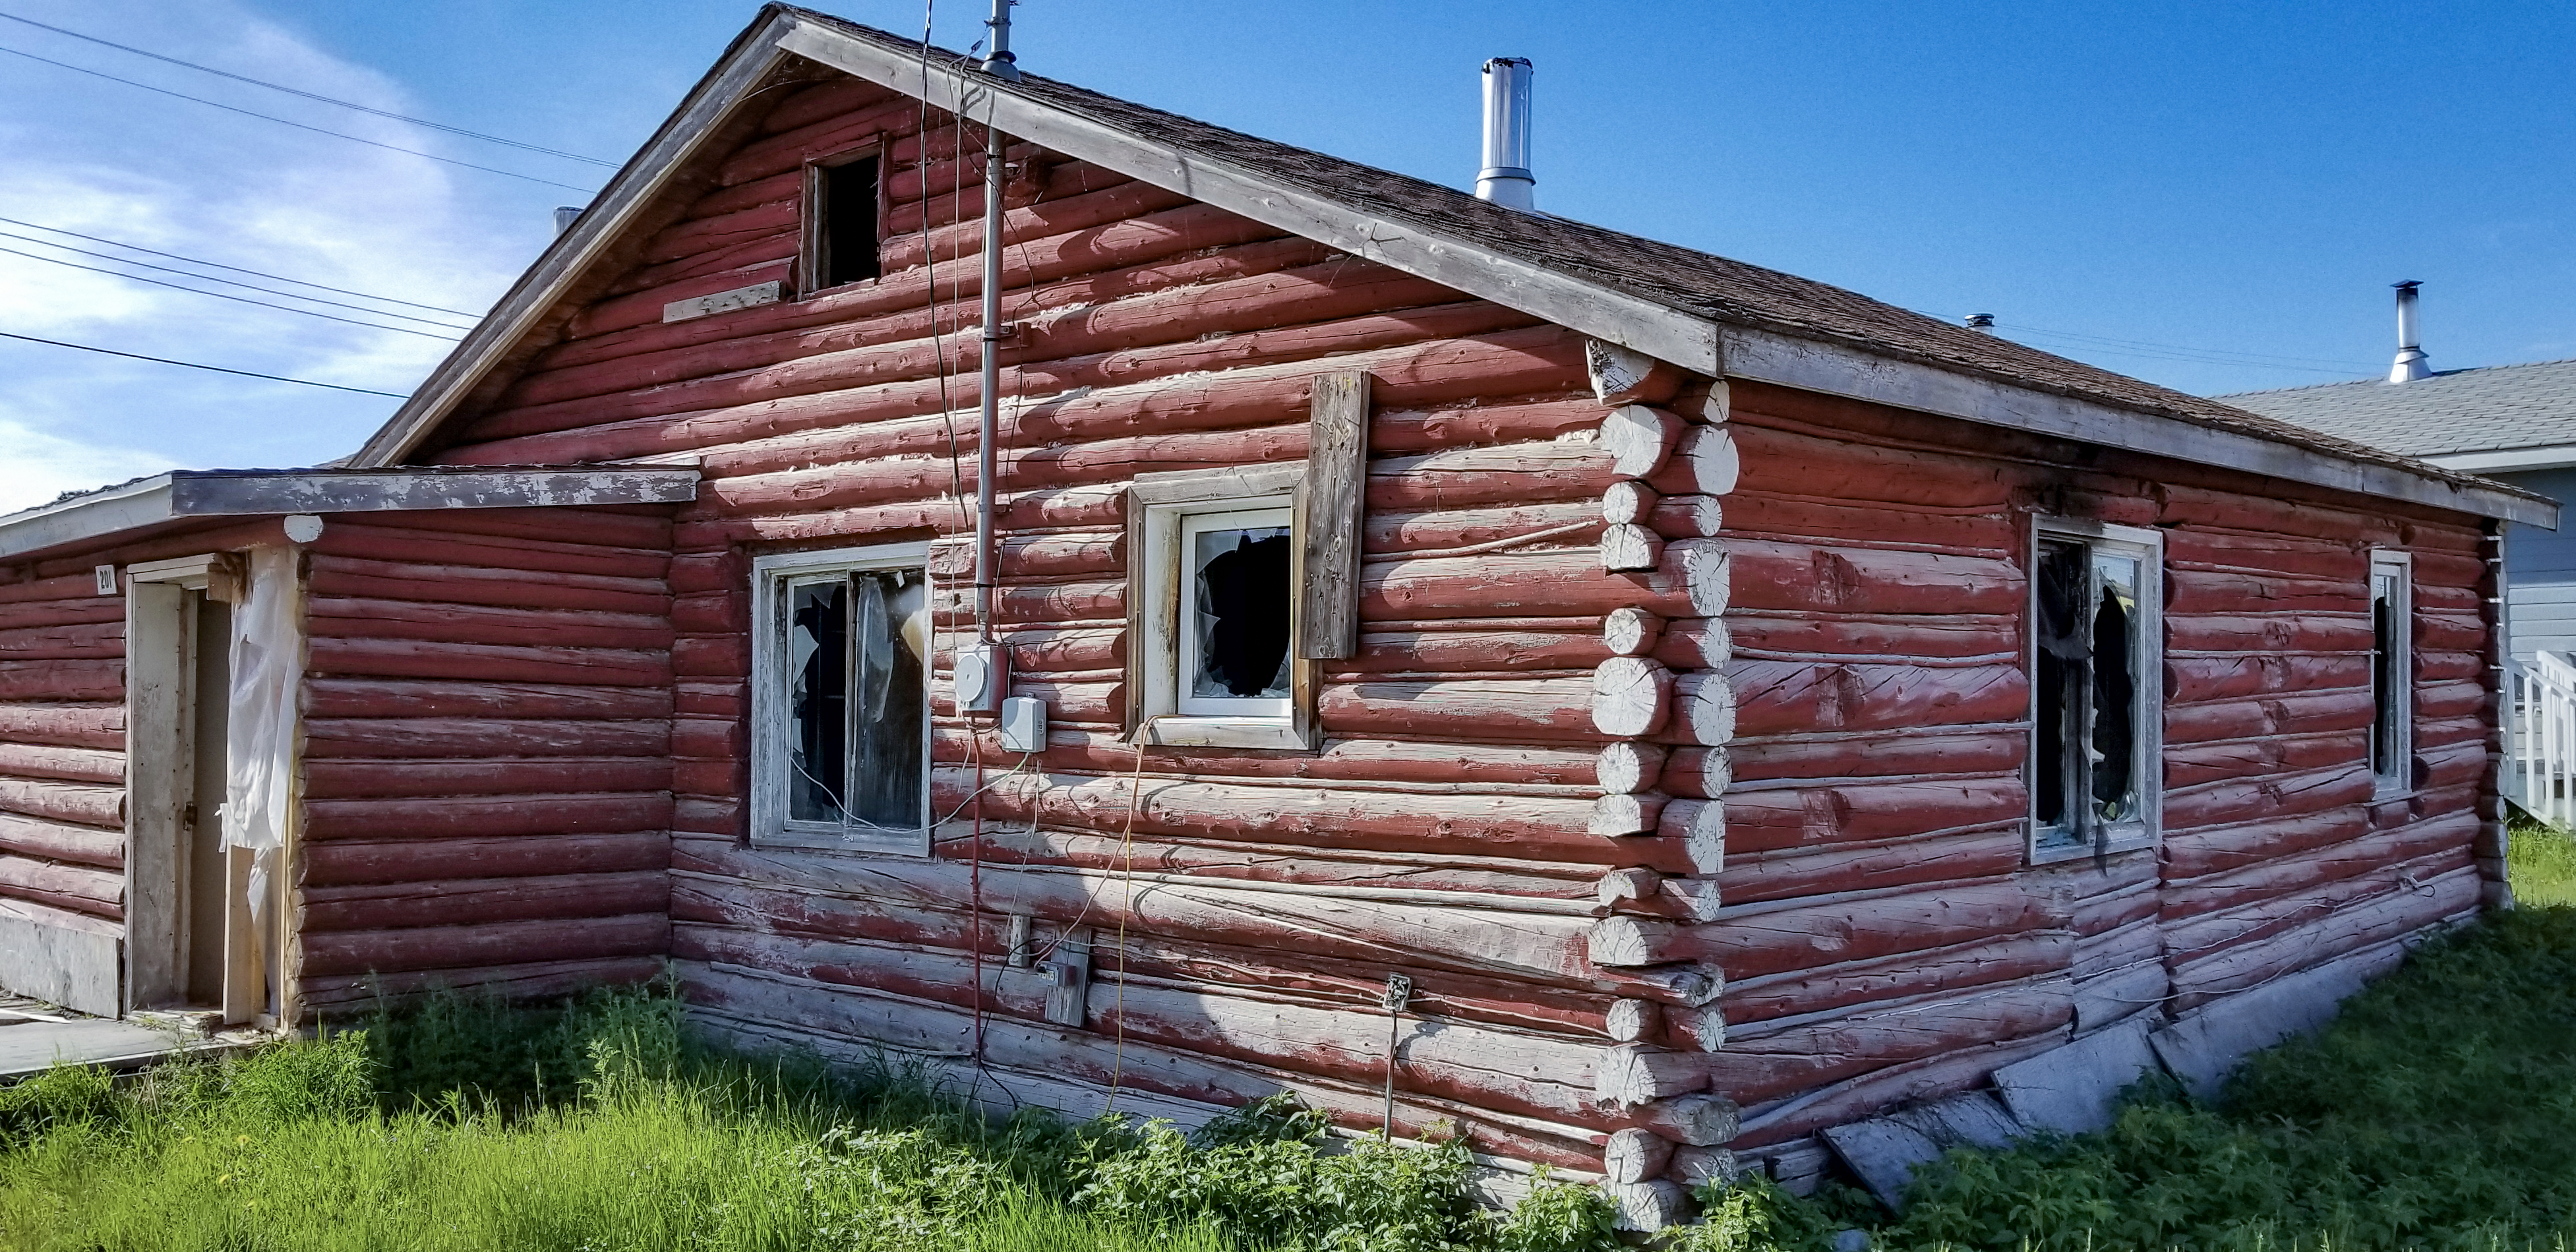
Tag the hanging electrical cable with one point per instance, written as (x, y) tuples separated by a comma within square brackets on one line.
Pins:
[(229, 282), (218, 265), (217, 369), (138, 278)]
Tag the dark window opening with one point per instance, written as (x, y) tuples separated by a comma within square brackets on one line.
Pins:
[(2087, 712), (2389, 750), (856, 655), (1243, 614), (845, 235)]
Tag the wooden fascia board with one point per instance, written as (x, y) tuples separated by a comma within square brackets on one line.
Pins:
[(125, 508), (1810, 365), (525, 307), (203, 493), (1603, 313), (355, 491)]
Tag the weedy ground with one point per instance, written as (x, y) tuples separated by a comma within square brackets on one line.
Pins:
[(2439, 1112), (600, 1127)]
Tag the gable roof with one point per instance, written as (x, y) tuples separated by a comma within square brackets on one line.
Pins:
[(2514, 414), (1706, 313)]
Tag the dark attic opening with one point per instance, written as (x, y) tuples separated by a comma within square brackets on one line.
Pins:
[(843, 209)]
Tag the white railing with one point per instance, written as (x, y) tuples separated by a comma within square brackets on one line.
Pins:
[(2540, 738)]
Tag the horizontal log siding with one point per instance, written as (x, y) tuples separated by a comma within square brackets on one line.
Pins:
[(1884, 939), (62, 747), (486, 751), (1441, 830)]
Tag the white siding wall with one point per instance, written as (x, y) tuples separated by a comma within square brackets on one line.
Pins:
[(2540, 570)]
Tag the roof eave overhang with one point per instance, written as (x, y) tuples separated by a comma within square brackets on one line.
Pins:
[(184, 494), (2508, 460), (1811, 365)]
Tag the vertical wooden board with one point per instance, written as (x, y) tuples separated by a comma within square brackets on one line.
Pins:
[(1329, 504), (161, 780)]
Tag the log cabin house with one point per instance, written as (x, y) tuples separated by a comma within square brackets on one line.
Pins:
[(1677, 706)]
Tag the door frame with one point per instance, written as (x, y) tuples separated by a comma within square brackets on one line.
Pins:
[(161, 695)]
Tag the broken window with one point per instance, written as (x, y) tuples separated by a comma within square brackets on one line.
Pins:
[(842, 203), (2094, 690), (2392, 635), (841, 700), (1214, 585), (1235, 613)]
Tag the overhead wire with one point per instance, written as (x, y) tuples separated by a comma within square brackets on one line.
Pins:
[(271, 117), (310, 95), (229, 282), (118, 243), (221, 295), (197, 365)]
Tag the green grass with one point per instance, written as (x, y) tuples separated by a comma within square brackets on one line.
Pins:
[(2438, 1112), (473, 1125)]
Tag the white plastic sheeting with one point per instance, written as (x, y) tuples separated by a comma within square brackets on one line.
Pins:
[(267, 672)]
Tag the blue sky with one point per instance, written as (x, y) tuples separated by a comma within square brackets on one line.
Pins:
[(2210, 196)]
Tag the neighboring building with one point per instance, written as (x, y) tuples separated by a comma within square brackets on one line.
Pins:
[(2512, 423), (1703, 707)]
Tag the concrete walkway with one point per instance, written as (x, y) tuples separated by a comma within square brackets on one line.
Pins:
[(34, 1036)]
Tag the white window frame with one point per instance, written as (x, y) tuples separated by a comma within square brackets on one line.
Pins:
[(2399, 779), (770, 751), (1161, 510), (2147, 546)]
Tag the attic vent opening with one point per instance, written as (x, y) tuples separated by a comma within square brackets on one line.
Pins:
[(843, 208)]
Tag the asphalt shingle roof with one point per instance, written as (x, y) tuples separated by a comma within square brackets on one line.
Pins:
[(1684, 279), (2493, 409)]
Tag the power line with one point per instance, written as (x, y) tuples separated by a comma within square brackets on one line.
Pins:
[(163, 360), (57, 230), (2265, 358), (309, 95), (138, 278), (269, 117), (47, 243)]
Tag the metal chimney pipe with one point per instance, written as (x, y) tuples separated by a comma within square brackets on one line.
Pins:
[(565, 216), (1506, 179), (2409, 365), (999, 62)]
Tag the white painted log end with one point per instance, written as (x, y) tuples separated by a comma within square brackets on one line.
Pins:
[(1708, 461), (1691, 986), (1694, 898), (1702, 567), (1625, 375), (1649, 1206), (1620, 941), (1628, 503), (1634, 1155), (1700, 1119), (1628, 766), (1685, 516), (1700, 1167), (1714, 408), (1700, 826), (1628, 549), (1632, 1021), (1628, 813), (1621, 886), (1631, 696), (1640, 438), (1703, 708), (1703, 1028), (1631, 631)]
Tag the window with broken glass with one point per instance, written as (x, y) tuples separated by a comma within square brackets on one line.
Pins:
[(2095, 691), (841, 703), (1213, 589), (2392, 723)]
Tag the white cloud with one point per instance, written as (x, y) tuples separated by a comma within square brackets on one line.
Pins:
[(40, 466), (109, 160)]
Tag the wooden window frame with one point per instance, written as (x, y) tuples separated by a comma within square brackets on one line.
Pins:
[(2399, 778), (1156, 507), (2148, 547), (770, 824), (813, 260)]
